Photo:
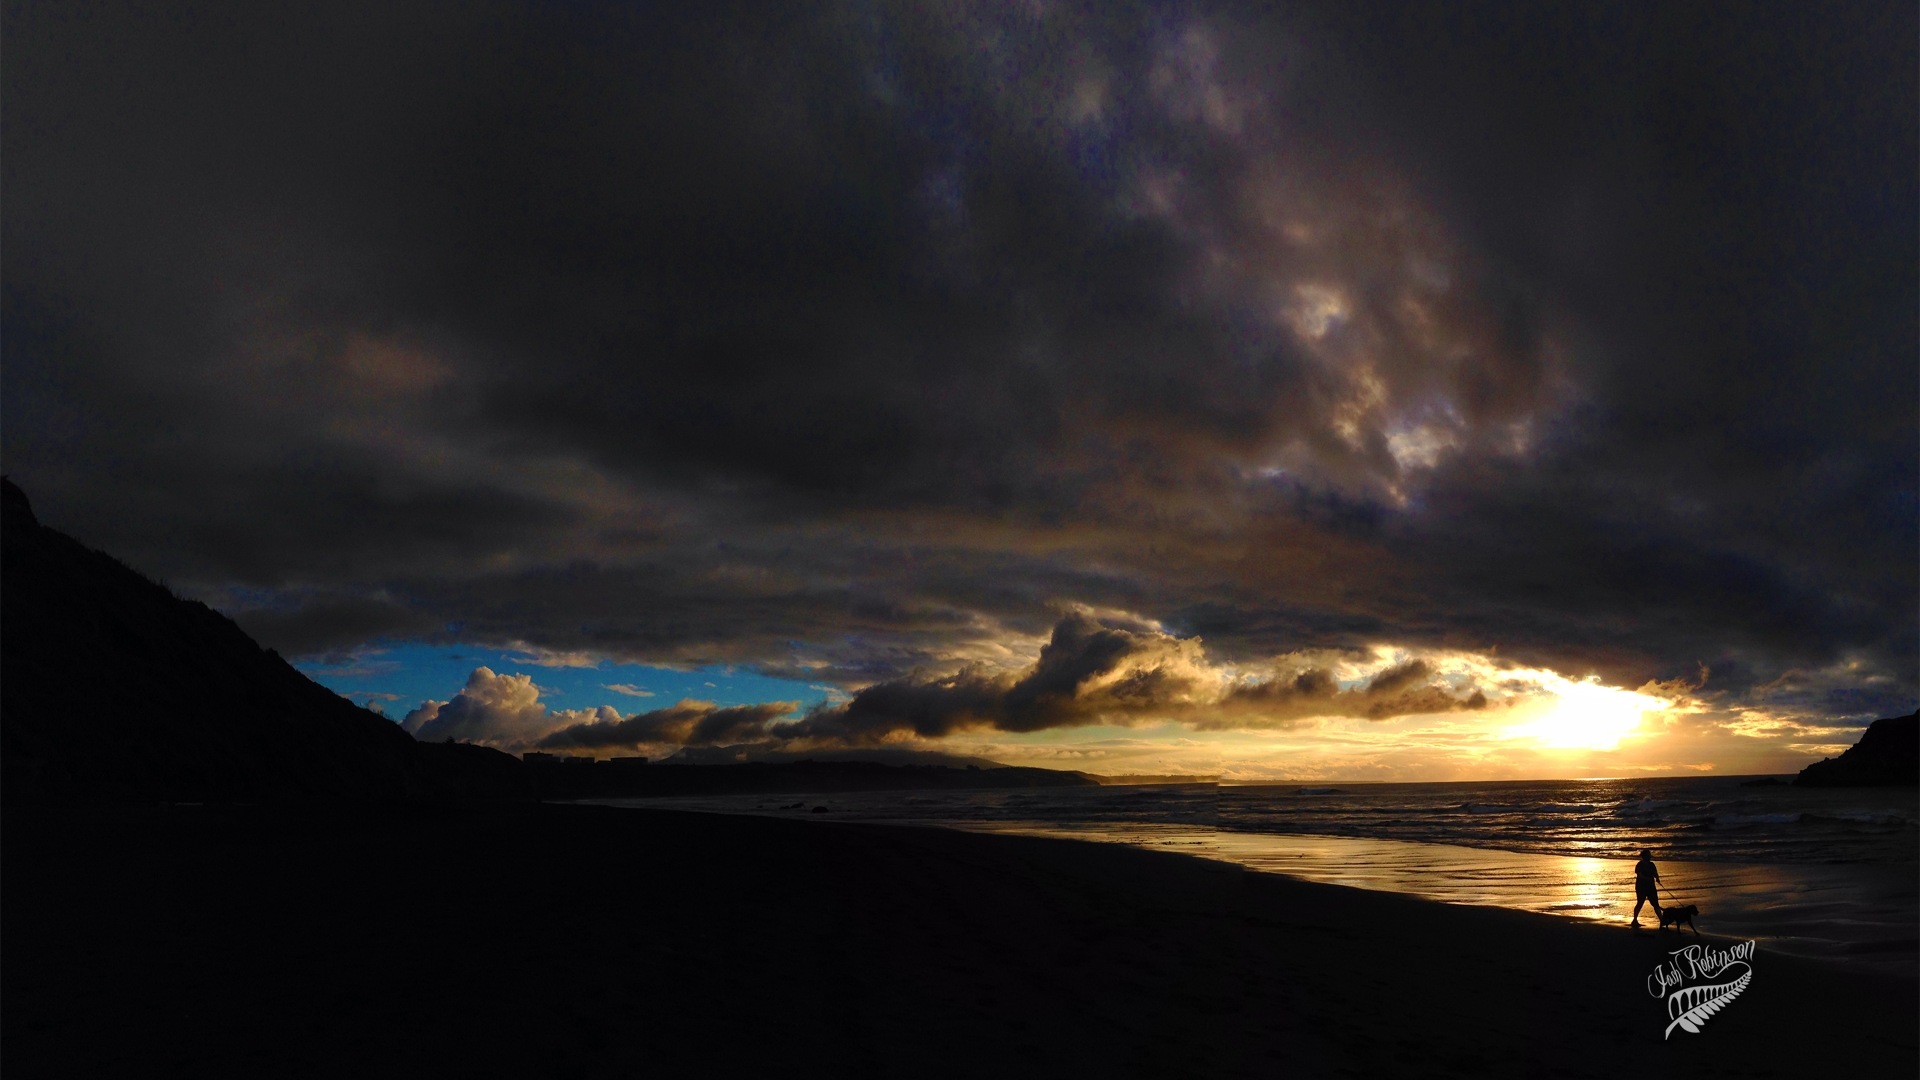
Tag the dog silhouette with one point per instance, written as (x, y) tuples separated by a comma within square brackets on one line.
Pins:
[(1674, 916)]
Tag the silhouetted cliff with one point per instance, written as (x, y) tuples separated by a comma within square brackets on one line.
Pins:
[(1887, 755), (115, 689)]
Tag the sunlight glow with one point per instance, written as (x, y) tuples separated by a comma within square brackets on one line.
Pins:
[(1587, 715)]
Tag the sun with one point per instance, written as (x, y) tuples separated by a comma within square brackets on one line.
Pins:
[(1587, 715)]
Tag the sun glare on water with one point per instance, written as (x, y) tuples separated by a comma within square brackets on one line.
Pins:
[(1587, 716)]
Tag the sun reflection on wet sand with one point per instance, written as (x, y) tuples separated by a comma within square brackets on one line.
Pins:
[(1581, 887), (1812, 910), (1858, 910)]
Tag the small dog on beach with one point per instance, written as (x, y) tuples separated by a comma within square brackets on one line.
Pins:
[(1674, 916)]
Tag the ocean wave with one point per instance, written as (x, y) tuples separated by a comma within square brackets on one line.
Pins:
[(1758, 819), (1856, 818), (1528, 808), (1707, 819)]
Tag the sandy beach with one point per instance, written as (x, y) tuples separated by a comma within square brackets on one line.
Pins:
[(572, 941)]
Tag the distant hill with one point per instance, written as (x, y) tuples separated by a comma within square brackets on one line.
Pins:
[(114, 689), (1887, 755), (736, 755), (580, 779), (1150, 779)]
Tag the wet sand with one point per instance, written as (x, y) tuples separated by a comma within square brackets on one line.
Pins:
[(574, 941), (1862, 915)]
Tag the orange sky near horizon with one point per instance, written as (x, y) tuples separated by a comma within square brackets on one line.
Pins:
[(1542, 726), (1444, 716)]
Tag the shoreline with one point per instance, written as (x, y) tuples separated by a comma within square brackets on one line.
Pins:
[(1738, 900), (556, 940), (1859, 915)]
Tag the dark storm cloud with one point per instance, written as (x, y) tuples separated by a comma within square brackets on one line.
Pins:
[(1399, 677), (1724, 200), (853, 342), (688, 723), (1096, 670), (1399, 691), (1088, 670), (304, 625)]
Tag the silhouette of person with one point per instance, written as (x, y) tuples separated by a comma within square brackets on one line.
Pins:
[(1646, 885)]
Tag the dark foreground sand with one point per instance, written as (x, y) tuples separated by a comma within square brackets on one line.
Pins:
[(571, 941)]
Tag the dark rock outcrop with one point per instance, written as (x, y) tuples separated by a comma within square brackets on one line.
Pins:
[(1887, 755), (114, 689)]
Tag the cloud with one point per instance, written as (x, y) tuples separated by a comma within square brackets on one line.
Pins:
[(1299, 329), (1309, 714), (495, 710), (505, 711), (687, 723), (1097, 667), (629, 690), (1117, 670), (555, 658), (1399, 677)]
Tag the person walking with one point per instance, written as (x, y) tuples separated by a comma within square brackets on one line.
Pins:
[(1646, 885)]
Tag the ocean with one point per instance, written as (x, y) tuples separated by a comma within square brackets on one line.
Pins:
[(1830, 873)]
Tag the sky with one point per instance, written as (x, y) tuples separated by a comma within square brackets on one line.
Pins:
[(1299, 391)]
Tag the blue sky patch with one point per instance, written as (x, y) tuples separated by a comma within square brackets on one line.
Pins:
[(397, 678)]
